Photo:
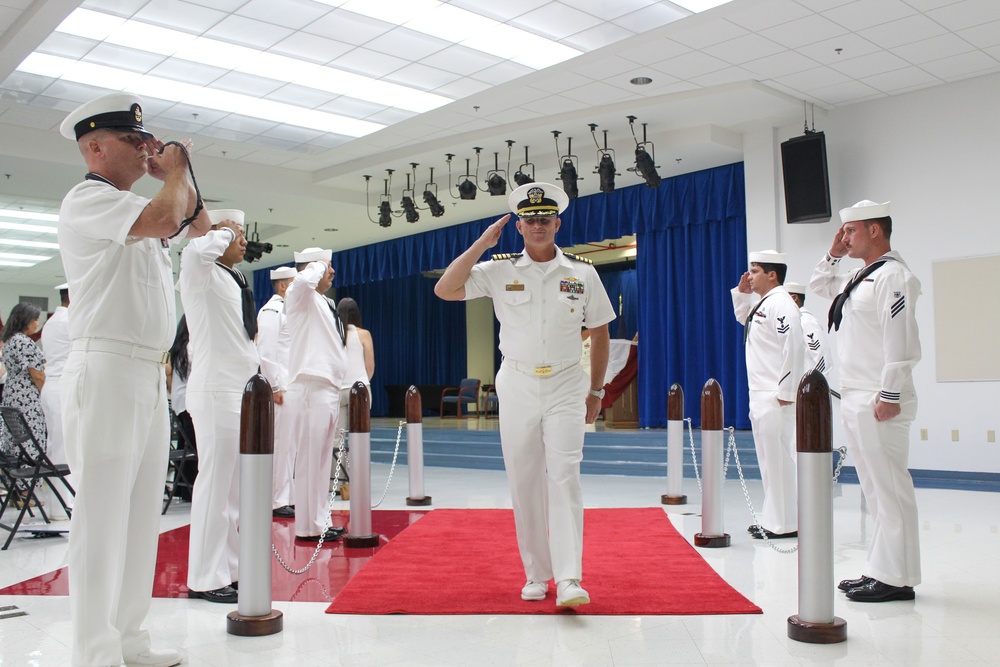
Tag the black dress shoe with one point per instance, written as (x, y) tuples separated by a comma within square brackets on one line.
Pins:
[(773, 536), (848, 584), (331, 535), (284, 512), (226, 595), (876, 591), (752, 528)]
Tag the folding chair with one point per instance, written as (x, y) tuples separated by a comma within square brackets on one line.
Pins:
[(183, 452), (30, 468)]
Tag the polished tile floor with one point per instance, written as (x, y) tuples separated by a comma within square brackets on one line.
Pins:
[(953, 621)]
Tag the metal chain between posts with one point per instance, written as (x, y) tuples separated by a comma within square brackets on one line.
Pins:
[(395, 453), (694, 454), (732, 451), (329, 521)]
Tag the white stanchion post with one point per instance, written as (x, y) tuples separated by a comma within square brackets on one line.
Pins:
[(359, 441), (815, 623), (415, 448), (675, 448), (254, 616), (712, 529)]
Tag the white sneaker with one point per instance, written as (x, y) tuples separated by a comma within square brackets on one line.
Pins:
[(535, 590), (570, 594), (155, 657)]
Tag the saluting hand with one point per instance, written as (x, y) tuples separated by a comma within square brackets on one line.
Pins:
[(838, 249), (744, 286), (492, 234)]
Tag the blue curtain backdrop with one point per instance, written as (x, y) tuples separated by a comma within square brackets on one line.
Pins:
[(691, 238), (418, 338), (623, 290), (692, 250)]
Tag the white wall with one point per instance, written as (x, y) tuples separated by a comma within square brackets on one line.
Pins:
[(936, 155), (10, 294)]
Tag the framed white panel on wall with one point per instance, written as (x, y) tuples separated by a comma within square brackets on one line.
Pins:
[(967, 318)]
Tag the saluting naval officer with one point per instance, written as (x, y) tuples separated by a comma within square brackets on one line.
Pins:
[(273, 349), (775, 357), (541, 297), (874, 311), (222, 320), (115, 249), (817, 348)]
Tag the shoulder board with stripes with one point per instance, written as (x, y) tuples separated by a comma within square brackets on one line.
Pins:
[(506, 255), (578, 258)]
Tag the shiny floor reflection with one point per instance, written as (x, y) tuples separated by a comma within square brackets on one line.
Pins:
[(952, 621)]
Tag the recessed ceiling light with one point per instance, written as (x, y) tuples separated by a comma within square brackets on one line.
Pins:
[(640, 81)]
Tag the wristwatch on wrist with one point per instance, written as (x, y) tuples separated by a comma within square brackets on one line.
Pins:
[(599, 393)]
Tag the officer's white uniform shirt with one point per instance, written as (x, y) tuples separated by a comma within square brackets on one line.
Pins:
[(121, 285), (214, 308), (541, 309), (271, 345), (775, 348), (816, 344), (878, 338), (312, 327)]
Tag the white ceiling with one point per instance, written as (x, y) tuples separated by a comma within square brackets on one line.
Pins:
[(741, 66)]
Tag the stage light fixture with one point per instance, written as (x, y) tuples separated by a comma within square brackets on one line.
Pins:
[(385, 214), (496, 185), (521, 176), (567, 168), (430, 197), (606, 168), (645, 160), (437, 210), (410, 209), (645, 167), (467, 189)]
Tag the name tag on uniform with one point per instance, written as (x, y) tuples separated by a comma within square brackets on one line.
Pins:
[(515, 287)]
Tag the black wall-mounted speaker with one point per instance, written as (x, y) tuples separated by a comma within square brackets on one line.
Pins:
[(807, 181)]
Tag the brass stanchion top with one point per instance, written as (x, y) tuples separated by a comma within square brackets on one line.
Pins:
[(813, 415), (257, 417), (675, 403), (711, 406), (414, 406), (360, 409)]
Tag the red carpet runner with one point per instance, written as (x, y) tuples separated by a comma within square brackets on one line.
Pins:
[(466, 562)]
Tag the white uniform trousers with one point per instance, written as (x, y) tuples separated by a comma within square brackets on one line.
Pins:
[(314, 407), (284, 456), (774, 441), (117, 435), (214, 548), (542, 423), (55, 444), (880, 452)]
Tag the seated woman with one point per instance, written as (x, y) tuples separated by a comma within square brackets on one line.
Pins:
[(24, 363)]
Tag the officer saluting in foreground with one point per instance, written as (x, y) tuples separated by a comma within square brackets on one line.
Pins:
[(541, 298), (116, 253)]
